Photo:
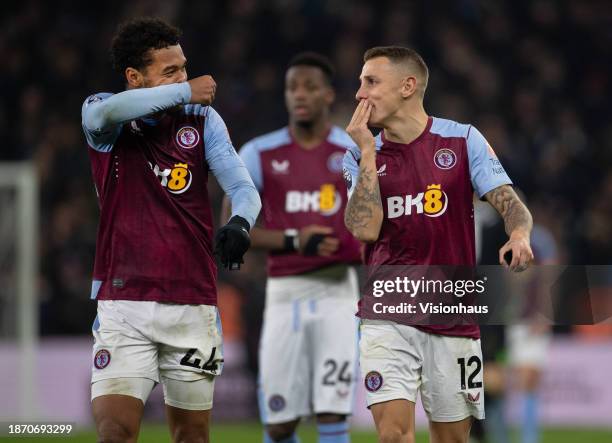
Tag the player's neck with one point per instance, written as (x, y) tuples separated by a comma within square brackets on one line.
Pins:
[(310, 136), (405, 127)]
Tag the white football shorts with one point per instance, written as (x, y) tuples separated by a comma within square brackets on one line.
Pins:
[(308, 349), (527, 348), (398, 360), (140, 343)]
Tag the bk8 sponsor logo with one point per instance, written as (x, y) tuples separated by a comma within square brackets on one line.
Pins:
[(176, 180), (327, 200), (431, 203)]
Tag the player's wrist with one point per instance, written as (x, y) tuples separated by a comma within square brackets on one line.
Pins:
[(185, 92), (368, 155), (367, 162), (519, 234), (240, 221), (232, 241), (291, 242)]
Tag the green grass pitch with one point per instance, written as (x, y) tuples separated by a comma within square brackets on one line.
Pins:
[(251, 433)]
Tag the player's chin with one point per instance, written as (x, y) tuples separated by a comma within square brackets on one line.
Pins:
[(304, 120), (374, 123)]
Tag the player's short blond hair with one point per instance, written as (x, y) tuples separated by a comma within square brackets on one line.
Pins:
[(402, 55)]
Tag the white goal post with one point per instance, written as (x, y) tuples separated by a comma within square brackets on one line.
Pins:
[(20, 179)]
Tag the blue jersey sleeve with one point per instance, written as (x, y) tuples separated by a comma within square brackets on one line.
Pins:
[(218, 149), (350, 169), (103, 114), (99, 139), (486, 171), (229, 169), (252, 161)]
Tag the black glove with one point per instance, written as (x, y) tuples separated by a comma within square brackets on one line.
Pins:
[(232, 241), (312, 244)]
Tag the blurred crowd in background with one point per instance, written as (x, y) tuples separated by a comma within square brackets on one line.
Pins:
[(533, 76)]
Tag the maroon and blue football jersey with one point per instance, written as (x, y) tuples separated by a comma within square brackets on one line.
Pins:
[(426, 188), (301, 187), (154, 238)]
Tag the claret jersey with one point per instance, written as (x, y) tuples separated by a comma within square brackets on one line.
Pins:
[(426, 189), (154, 239), (301, 187)]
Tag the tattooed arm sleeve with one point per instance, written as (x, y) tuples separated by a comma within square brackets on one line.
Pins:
[(364, 213), (515, 214)]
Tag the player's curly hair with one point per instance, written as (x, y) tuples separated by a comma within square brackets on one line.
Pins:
[(314, 59), (134, 39)]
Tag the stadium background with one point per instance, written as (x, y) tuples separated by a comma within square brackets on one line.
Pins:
[(533, 76)]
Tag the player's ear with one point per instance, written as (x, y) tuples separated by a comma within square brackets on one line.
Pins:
[(330, 96), (134, 78), (409, 86)]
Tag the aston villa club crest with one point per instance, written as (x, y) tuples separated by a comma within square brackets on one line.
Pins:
[(445, 158), (187, 137), (334, 162), (276, 403), (102, 359), (373, 381)]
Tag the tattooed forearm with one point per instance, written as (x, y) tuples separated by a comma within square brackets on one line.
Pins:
[(363, 216), (513, 211)]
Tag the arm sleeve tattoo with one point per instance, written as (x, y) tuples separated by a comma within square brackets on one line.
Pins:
[(364, 209), (511, 208)]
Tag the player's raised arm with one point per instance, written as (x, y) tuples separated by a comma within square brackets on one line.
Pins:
[(102, 111), (232, 240), (364, 213)]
